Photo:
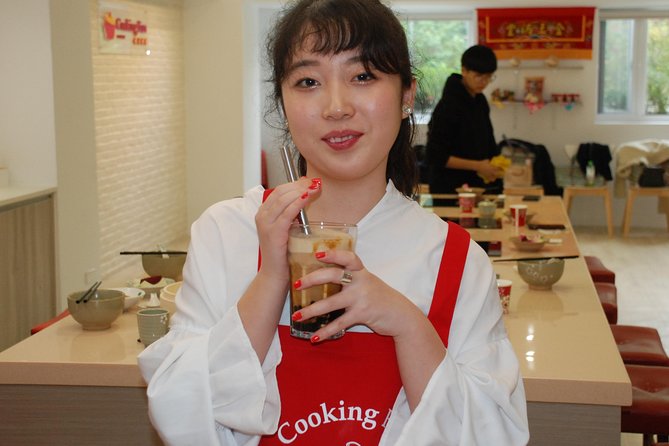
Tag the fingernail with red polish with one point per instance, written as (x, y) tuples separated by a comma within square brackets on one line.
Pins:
[(297, 284), (304, 195), (297, 316), (315, 183), (319, 254), (315, 339)]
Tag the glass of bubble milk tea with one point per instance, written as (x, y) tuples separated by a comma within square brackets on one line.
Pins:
[(303, 243)]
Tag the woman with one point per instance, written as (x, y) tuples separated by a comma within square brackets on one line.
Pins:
[(227, 374)]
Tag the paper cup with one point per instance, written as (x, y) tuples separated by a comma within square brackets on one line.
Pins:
[(467, 201), (518, 214), (504, 290)]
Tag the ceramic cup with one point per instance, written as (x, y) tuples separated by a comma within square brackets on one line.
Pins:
[(152, 324), (518, 214), (466, 200), (504, 289), (487, 209)]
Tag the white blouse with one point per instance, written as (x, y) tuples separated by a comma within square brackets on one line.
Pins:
[(206, 385)]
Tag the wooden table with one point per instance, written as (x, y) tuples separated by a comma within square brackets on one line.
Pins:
[(573, 374), (548, 210)]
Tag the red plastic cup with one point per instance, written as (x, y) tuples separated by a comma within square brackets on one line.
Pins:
[(467, 201), (518, 214)]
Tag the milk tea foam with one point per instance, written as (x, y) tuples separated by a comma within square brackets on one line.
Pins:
[(301, 250)]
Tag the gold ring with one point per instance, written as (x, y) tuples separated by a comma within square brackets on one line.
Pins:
[(346, 277)]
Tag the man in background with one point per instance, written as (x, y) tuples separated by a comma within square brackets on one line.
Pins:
[(460, 140)]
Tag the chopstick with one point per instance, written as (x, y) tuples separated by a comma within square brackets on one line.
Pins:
[(89, 293), (157, 253), (535, 258)]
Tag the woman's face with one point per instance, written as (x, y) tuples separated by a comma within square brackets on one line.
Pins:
[(342, 118)]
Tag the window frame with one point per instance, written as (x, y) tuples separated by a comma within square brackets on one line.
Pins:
[(638, 88)]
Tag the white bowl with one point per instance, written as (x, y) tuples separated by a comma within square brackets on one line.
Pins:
[(168, 296), (132, 296)]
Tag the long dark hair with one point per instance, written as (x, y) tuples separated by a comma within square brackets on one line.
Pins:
[(341, 25)]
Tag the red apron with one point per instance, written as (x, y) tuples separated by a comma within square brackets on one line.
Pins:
[(342, 392)]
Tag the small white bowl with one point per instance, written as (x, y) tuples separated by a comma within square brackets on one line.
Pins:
[(132, 296), (168, 297)]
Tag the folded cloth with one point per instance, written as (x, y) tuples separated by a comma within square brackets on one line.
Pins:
[(647, 152), (498, 161)]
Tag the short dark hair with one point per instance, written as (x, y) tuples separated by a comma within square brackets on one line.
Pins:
[(479, 58), (341, 25)]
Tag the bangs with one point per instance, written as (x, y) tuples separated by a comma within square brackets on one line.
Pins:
[(330, 30)]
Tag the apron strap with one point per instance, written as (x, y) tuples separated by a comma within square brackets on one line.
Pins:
[(448, 281)]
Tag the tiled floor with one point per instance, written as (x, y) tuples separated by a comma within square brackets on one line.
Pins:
[(641, 264)]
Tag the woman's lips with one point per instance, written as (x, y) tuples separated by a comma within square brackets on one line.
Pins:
[(342, 140)]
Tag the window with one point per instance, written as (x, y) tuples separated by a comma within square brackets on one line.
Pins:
[(634, 68), (436, 46)]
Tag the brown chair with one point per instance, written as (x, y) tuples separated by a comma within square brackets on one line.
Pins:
[(639, 345), (649, 412), (598, 271), (608, 296)]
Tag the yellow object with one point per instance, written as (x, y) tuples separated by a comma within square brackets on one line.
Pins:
[(498, 161)]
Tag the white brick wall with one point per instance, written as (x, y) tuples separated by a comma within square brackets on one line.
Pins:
[(139, 119)]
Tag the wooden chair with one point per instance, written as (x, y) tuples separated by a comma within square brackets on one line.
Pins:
[(524, 190), (596, 191), (633, 192)]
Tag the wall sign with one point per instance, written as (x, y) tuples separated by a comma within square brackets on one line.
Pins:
[(123, 28), (537, 33)]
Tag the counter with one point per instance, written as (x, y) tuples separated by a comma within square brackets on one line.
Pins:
[(574, 377), (67, 386), (14, 195)]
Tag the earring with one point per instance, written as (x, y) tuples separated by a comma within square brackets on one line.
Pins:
[(406, 109)]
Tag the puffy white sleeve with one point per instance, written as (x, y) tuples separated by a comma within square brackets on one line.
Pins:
[(206, 385), (476, 395)]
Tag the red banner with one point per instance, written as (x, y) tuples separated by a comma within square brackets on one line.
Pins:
[(537, 33)]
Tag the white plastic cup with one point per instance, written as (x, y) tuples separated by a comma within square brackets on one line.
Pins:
[(504, 290)]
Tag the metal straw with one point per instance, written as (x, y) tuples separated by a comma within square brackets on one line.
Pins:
[(291, 175)]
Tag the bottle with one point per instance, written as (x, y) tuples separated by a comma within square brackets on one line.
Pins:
[(590, 174)]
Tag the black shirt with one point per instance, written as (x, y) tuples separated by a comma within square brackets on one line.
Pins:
[(461, 127)]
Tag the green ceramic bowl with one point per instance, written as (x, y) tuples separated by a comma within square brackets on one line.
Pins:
[(98, 313)]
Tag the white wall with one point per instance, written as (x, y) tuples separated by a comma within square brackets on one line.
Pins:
[(215, 102), (27, 141), (139, 126)]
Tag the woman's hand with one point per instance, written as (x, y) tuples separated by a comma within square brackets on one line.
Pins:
[(260, 306), (273, 221), (371, 302), (367, 299)]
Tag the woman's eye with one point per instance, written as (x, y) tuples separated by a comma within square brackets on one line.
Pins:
[(306, 83), (365, 77)]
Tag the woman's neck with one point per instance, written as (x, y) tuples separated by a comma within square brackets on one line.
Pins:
[(346, 201)]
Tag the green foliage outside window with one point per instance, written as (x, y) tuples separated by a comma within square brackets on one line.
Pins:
[(436, 46), (658, 67)]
